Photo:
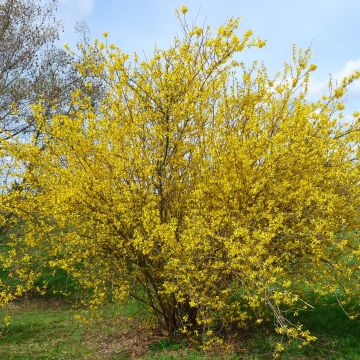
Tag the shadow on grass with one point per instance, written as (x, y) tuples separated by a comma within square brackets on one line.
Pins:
[(36, 327), (338, 339), (338, 336)]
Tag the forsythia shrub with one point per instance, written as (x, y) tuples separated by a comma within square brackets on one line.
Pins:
[(213, 192)]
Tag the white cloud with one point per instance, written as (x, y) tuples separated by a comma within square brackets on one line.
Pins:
[(347, 69), (78, 8), (317, 88)]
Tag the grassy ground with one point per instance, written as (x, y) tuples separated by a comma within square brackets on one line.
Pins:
[(48, 330)]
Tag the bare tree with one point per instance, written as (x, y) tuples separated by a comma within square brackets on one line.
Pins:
[(28, 30)]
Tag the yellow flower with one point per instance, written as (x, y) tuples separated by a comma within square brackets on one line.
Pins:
[(278, 349), (105, 34), (198, 31), (248, 33), (184, 9), (339, 93), (226, 190), (7, 320), (340, 106)]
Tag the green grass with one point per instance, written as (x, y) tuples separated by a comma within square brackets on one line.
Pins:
[(40, 333), (48, 330)]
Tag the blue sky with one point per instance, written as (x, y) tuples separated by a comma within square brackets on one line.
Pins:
[(331, 27)]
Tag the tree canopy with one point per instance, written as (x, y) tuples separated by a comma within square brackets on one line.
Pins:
[(215, 193)]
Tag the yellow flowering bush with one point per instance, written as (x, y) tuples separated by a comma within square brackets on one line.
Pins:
[(207, 189)]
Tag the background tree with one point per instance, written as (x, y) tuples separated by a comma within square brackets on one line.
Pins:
[(27, 30), (32, 66)]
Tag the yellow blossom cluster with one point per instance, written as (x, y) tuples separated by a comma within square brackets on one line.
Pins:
[(211, 191)]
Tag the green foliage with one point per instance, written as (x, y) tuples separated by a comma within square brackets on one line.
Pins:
[(166, 344), (58, 284)]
